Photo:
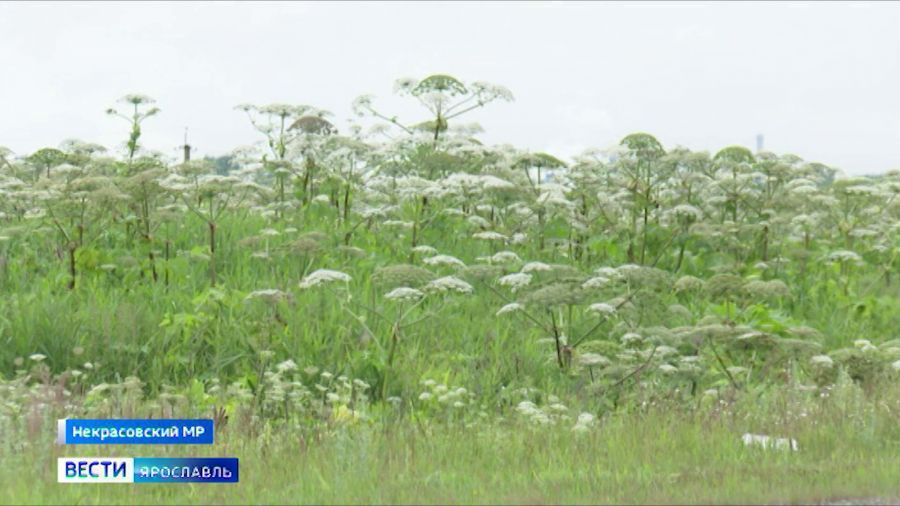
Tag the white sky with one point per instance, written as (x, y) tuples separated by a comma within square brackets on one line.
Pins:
[(820, 80)]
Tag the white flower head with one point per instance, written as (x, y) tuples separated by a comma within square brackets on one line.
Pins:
[(595, 282), (584, 422), (527, 408), (864, 345), (268, 295), (509, 308), (495, 183), (687, 212), (478, 221), (558, 407), (632, 337), (607, 272), (404, 293), (822, 360), (668, 368), (444, 260), (449, 284), (535, 266), (845, 256), (287, 365), (490, 236), (602, 308), (518, 238), (424, 249), (502, 257), (515, 281), (665, 351), (322, 276)]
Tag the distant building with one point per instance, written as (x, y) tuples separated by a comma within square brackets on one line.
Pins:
[(759, 143)]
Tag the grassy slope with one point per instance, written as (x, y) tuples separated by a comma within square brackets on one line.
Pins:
[(849, 448)]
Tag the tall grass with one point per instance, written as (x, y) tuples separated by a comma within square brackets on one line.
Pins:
[(848, 446)]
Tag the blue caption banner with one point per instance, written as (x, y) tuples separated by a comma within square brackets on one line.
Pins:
[(185, 470), (147, 470), (135, 431)]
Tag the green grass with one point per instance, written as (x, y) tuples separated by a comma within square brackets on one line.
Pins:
[(848, 448)]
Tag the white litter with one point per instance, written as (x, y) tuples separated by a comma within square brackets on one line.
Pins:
[(767, 442)]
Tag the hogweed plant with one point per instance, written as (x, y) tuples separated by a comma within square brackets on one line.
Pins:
[(77, 203), (292, 133), (211, 196), (141, 108), (443, 96)]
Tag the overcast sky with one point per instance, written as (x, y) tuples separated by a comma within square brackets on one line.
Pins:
[(820, 80)]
